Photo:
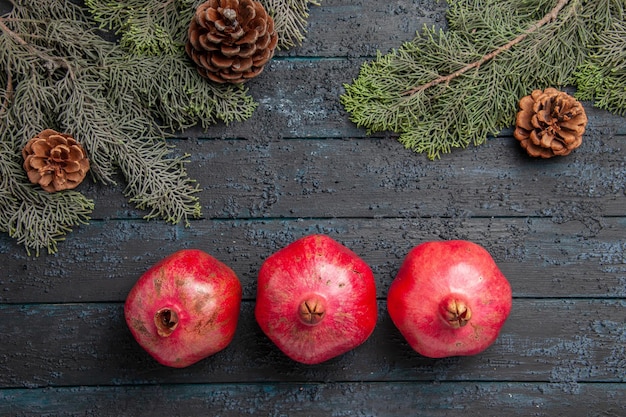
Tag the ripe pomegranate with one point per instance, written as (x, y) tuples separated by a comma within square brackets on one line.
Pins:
[(449, 299), (184, 308), (316, 299)]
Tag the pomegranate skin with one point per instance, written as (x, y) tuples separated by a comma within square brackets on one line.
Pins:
[(184, 308), (316, 299), (449, 298)]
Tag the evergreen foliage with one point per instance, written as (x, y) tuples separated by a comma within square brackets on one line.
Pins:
[(290, 19), (450, 88), (602, 77), (156, 27), (61, 74)]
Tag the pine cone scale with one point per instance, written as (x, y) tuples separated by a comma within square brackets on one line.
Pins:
[(46, 179), (242, 65), (203, 61), (229, 4), (234, 36), (33, 176), (210, 42), (247, 52), (523, 122), (71, 167), (250, 37), (75, 153), (567, 137), (251, 74), (249, 12), (40, 148), (220, 25), (221, 62), (230, 51), (262, 59), (264, 42), (208, 14), (74, 176), (60, 153)]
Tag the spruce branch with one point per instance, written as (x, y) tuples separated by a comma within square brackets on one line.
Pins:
[(549, 17), (11, 34), (52, 63), (7, 95), (145, 27), (183, 101), (447, 89), (602, 77)]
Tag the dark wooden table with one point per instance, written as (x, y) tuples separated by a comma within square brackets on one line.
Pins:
[(557, 229)]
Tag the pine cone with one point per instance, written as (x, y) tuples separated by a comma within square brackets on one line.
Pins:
[(231, 40), (550, 123), (55, 161)]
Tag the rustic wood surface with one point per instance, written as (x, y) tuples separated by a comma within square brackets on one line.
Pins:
[(557, 229)]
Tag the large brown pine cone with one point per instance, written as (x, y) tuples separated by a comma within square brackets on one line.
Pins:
[(55, 161), (549, 123), (231, 40)]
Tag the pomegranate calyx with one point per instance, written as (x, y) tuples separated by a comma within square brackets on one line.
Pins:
[(312, 310), (166, 321), (455, 312)]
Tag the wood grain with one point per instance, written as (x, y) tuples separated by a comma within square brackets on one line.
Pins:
[(492, 399), (89, 344), (379, 178), (541, 257)]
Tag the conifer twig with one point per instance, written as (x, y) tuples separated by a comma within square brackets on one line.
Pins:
[(8, 94), (9, 32), (54, 62), (551, 16)]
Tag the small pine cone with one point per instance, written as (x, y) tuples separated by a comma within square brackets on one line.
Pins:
[(55, 161), (231, 40), (550, 123)]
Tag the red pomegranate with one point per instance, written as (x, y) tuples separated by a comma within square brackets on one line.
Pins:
[(449, 299), (316, 299), (184, 308)]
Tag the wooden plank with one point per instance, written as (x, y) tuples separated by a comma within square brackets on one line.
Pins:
[(379, 178), (541, 257), (370, 178), (551, 340), (364, 27), (321, 399)]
